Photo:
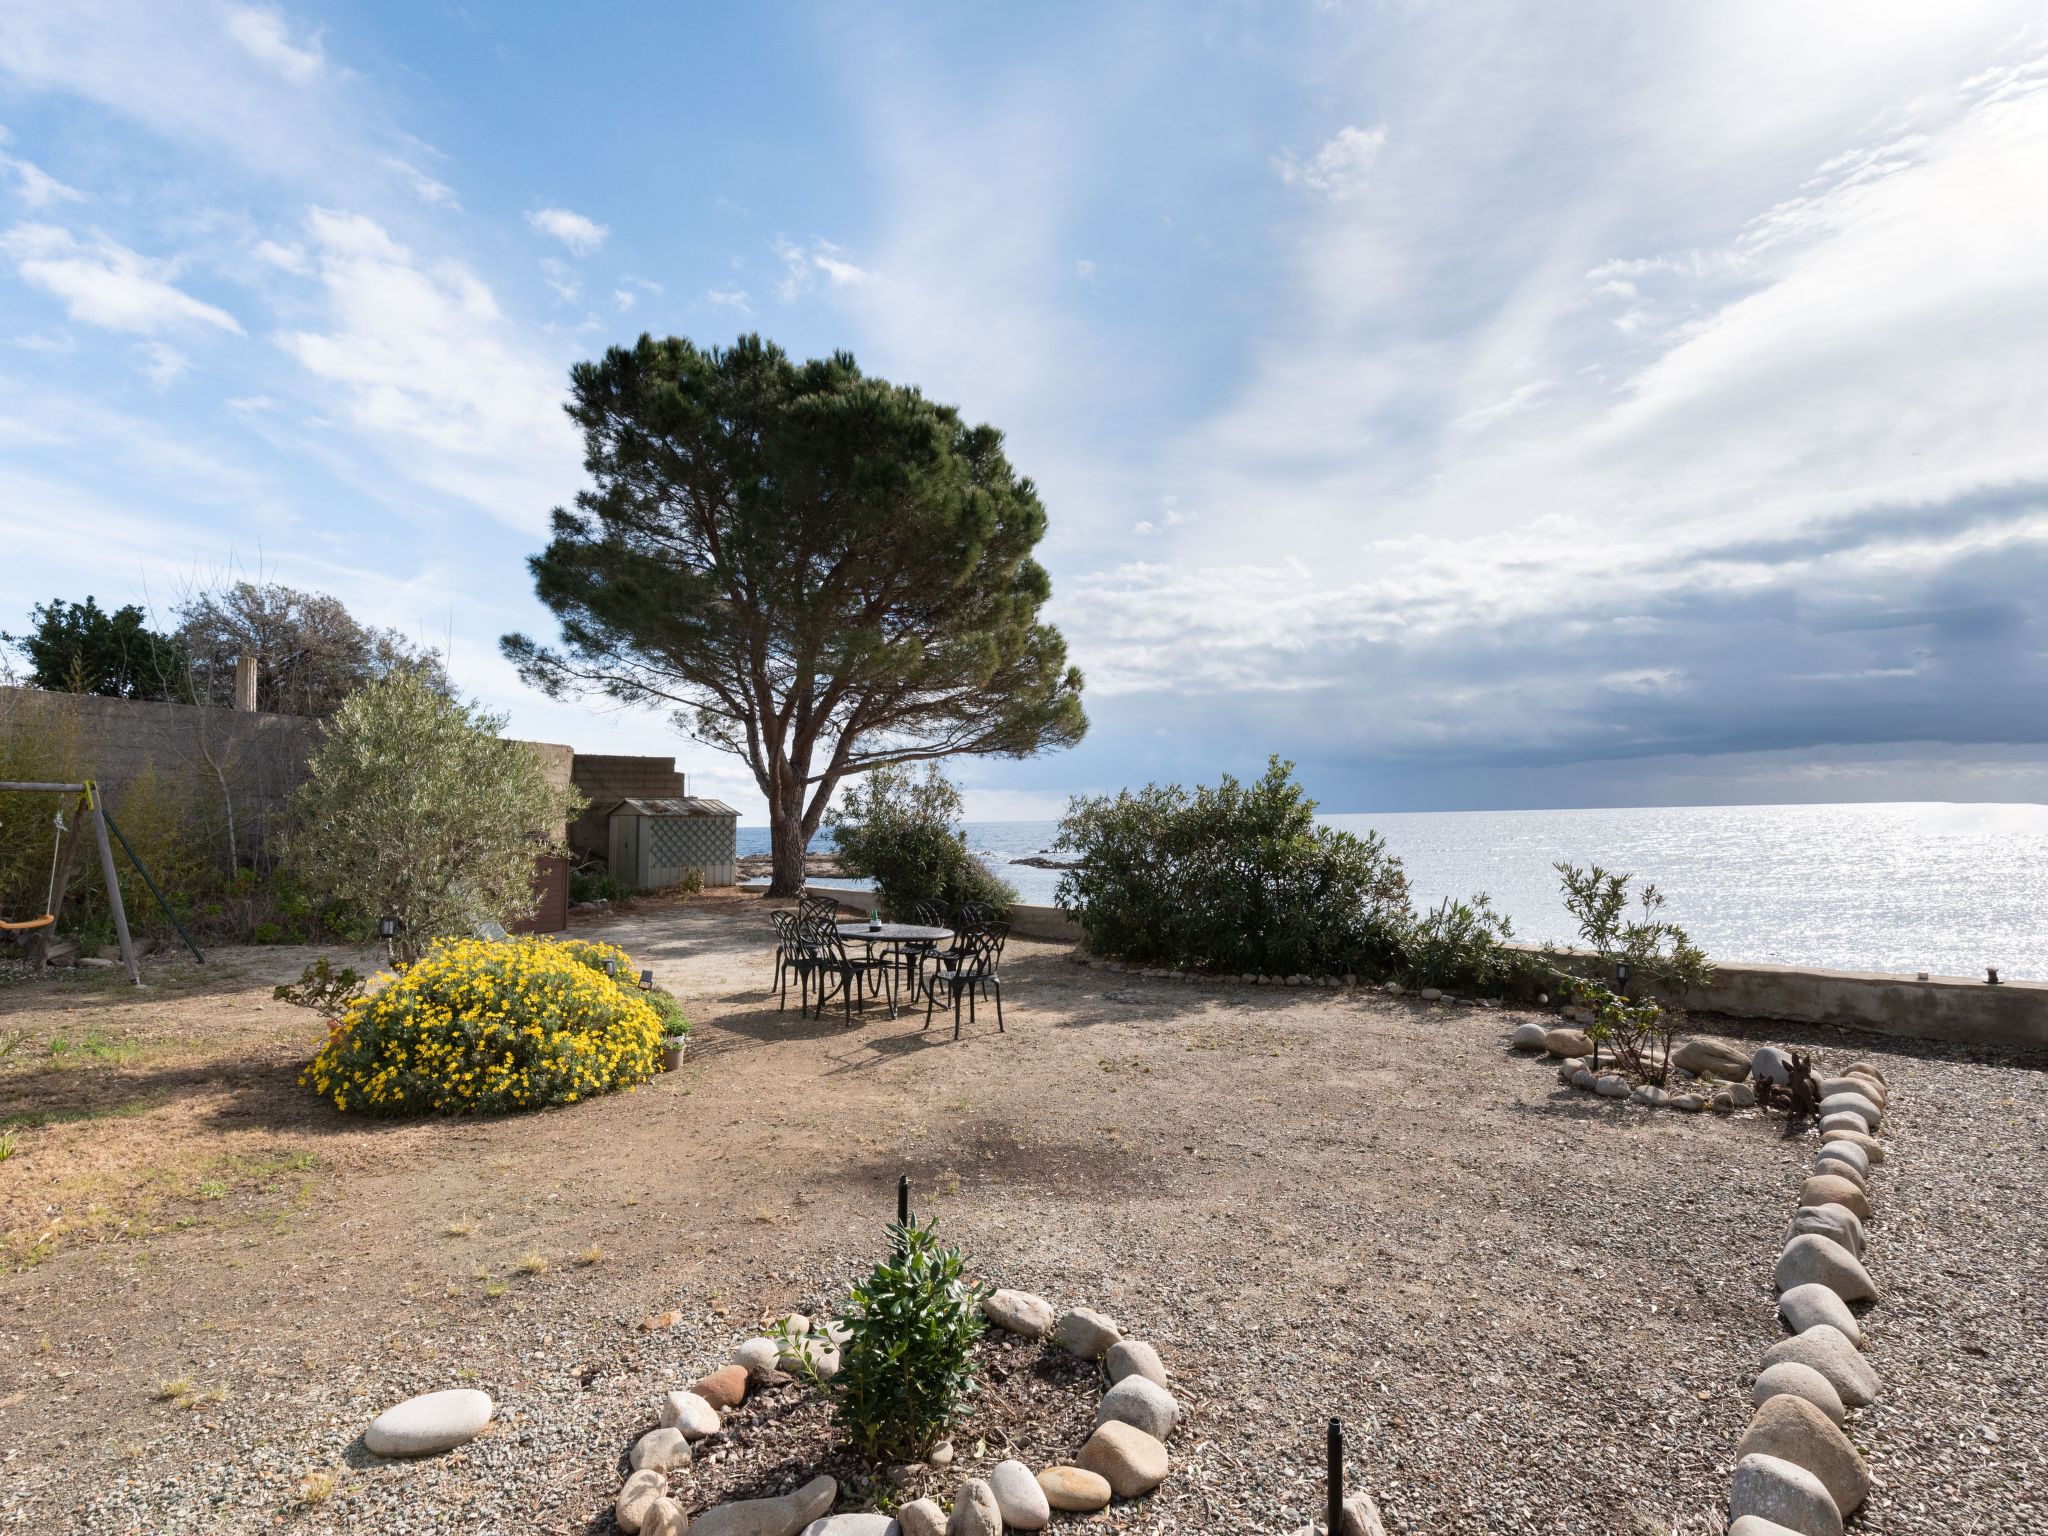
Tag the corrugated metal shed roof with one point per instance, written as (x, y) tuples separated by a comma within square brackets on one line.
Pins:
[(687, 805)]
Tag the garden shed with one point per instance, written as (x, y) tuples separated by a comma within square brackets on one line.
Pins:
[(655, 843)]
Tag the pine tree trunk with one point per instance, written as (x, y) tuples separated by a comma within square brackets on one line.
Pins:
[(786, 845)]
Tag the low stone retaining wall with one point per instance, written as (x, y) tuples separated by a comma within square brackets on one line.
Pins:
[(2013, 1014)]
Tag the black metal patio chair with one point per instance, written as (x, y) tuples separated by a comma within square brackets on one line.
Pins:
[(839, 971), (972, 968)]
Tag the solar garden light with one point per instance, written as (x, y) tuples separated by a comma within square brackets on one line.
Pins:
[(1621, 975), (1990, 975), (611, 969), (387, 930), (1334, 1477), (647, 981)]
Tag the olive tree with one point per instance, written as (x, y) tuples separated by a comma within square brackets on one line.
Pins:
[(414, 807)]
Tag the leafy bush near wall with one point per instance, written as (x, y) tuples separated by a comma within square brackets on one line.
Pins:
[(1234, 878), (1461, 946), (597, 885), (478, 1027), (907, 1366), (1661, 956), (898, 828)]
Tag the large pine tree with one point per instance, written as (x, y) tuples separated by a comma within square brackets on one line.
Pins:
[(817, 571)]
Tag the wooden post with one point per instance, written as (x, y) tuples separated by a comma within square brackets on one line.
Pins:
[(99, 832), (245, 684)]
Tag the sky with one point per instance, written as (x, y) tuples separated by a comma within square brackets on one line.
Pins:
[(1482, 405)]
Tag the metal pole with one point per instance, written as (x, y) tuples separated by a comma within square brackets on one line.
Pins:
[(143, 870), (1335, 1477), (903, 1200), (99, 833), (18, 786)]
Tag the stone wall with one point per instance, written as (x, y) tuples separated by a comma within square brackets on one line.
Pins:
[(604, 781)]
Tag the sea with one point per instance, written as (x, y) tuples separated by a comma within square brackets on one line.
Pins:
[(1924, 886)]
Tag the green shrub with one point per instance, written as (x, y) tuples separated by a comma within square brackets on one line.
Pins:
[(597, 885), (898, 829), (908, 1364), (674, 1022), (1462, 946), (1235, 878), (1661, 957), (478, 1027)]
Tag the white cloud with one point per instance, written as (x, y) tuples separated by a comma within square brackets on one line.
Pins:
[(581, 235), (1340, 168), (422, 360), (436, 194), (729, 298), (164, 365), (801, 265), (265, 37), (289, 258), (1084, 269), (35, 186), (561, 277), (104, 283)]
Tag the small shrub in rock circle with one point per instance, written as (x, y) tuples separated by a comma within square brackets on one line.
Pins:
[(482, 1027), (908, 1362)]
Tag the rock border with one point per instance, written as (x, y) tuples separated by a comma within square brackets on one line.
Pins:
[(1125, 1456)]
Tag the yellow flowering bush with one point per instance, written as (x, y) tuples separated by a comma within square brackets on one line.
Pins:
[(479, 1027)]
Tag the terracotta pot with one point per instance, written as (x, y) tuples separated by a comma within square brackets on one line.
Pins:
[(672, 1053)]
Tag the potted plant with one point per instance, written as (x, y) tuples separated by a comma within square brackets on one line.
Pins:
[(673, 1045), (675, 1029)]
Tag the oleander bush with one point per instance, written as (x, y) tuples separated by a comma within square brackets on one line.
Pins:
[(1235, 878), (907, 1366), (1462, 946), (482, 1027)]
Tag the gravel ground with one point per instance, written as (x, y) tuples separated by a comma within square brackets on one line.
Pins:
[(1535, 1311)]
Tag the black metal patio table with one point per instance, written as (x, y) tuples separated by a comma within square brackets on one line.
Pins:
[(911, 936)]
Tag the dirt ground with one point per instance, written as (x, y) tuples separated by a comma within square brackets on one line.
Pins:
[(1535, 1311)]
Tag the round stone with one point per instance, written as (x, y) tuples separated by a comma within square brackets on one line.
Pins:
[(1019, 1312), (1611, 1085), (758, 1357), (660, 1450), (689, 1413), (1810, 1305), (1074, 1488), (922, 1517), (1793, 1430), (725, 1387), (1843, 1120), (1833, 1189), (1132, 1462), (1870, 1146), (664, 1517), (1844, 1152), (1771, 1065), (1086, 1333), (636, 1499), (1851, 1104), (1567, 1042), (1831, 1221), (1134, 1357), (1771, 1488), (1813, 1260), (1788, 1378), (433, 1421), (1829, 1351), (1023, 1503), (1527, 1037), (1142, 1404), (975, 1511)]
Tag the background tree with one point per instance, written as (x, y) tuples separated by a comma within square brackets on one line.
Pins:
[(82, 648), (311, 652), (819, 572), (414, 807)]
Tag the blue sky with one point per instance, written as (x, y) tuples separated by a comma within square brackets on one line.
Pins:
[(1485, 405)]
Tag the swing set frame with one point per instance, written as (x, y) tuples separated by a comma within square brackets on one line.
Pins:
[(92, 812)]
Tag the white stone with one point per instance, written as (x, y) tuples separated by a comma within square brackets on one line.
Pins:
[(1830, 1352), (769, 1517), (1019, 1497), (1788, 1378), (1809, 1306), (1141, 1404), (863, 1524), (1810, 1259), (1611, 1086), (759, 1357), (1771, 1065), (922, 1517), (975, 1511), (660, 1450), (433, 1421), (637, 1498), (1086, 1333), (1844, 1120), (1019, 1312), (1134, 1357), (1844, 1152), (689, 1413), (1527, 1037), (1836, 1222), (1851, 1104), (1774, 1489)]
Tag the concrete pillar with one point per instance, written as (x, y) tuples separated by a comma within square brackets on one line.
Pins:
[(245, 684)]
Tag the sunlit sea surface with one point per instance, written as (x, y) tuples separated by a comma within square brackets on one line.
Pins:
[(1934, 887)]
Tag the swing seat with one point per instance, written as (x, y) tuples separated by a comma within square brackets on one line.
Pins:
[(28, 925)]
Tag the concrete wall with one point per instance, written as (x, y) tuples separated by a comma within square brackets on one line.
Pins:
[(605, 780)]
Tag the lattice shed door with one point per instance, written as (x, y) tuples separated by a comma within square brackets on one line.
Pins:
[(677, 844)]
